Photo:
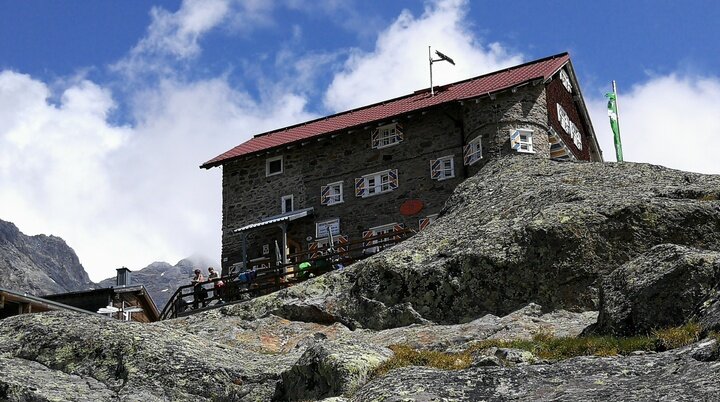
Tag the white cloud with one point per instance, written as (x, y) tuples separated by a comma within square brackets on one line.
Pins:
[(670, 120), (124, 195), (399, 63)]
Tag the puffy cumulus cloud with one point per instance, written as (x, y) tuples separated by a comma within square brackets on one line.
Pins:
[(398, 65), (124, 195), (670, 120)]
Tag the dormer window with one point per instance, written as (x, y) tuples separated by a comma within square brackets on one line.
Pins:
[(521, 140), (274, 166), (387, 135)]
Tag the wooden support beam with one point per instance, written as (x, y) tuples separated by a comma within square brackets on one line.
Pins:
[(2, 301)]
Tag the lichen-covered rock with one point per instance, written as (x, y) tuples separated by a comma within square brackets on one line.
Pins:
[(132, 360), (330, 368), (522, 230), (661, 376), (667, 286)]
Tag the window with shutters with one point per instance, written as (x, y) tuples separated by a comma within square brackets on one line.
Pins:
[(330, 226), (565, 80), (286, 203), (375, 245), (376, 183), (521, 140), (387, 135), (569, 127), (274, 166), (442, 168), (472, 152), (331, 194)]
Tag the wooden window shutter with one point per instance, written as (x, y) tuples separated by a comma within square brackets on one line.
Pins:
[(424, 222), (515, 140), (375, 138), (467, 151), (360, 187), (324, 195), (394, 181), (367, 234), (313, 250), (342, 247), (399, 131), (435, 168), (398, 227)]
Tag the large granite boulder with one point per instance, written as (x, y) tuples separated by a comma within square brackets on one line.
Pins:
[(667, 286), (522, 230)]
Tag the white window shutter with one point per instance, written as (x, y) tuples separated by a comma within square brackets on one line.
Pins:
[(515, 140)]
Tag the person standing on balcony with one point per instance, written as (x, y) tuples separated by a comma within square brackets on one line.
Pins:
[(199, 292), (217, 283)]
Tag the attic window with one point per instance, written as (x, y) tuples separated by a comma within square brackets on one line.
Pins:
[(565, 80), (274, 166), (472, 152), (387, 135), (521, 140)]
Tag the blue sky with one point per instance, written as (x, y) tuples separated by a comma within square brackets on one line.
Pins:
[(107, 108)]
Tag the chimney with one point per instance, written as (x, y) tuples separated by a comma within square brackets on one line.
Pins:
[(123, 277)]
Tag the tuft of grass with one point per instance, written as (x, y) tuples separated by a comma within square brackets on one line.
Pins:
[(709, 197), (548, 347), (671, 338), (408, 356)]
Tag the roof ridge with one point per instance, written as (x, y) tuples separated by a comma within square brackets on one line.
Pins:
[(415, 93)]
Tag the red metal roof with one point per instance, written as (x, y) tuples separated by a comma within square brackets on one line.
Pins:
[(467, 89)]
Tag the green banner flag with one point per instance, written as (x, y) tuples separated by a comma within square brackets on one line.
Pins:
[(612, 112)]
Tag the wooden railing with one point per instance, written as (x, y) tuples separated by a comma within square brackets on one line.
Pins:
[(250, 284)]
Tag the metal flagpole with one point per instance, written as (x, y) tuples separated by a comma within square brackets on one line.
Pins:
[(618, 143), (432, 91)]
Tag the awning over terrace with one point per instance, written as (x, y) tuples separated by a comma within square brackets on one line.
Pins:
[(282, 221)]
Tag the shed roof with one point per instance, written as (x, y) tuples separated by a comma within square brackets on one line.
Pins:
[(420, 100)]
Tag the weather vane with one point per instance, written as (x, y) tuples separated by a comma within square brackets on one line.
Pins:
[(442, 57)]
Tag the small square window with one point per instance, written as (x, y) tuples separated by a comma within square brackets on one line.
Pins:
[(331, 194), (521, 140), (442, 168), (273, 166), (286, 203)]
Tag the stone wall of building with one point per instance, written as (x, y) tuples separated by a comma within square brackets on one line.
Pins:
[(250, 196), (495, 119)]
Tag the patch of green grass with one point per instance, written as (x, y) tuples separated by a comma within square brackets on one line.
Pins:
[(546, 346), (408, 356), (709, 197)]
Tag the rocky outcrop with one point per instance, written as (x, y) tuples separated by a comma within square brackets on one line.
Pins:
[(675, 375), (522, 230), (161, 279), (210, 356), (666, 286), (39, 264)]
